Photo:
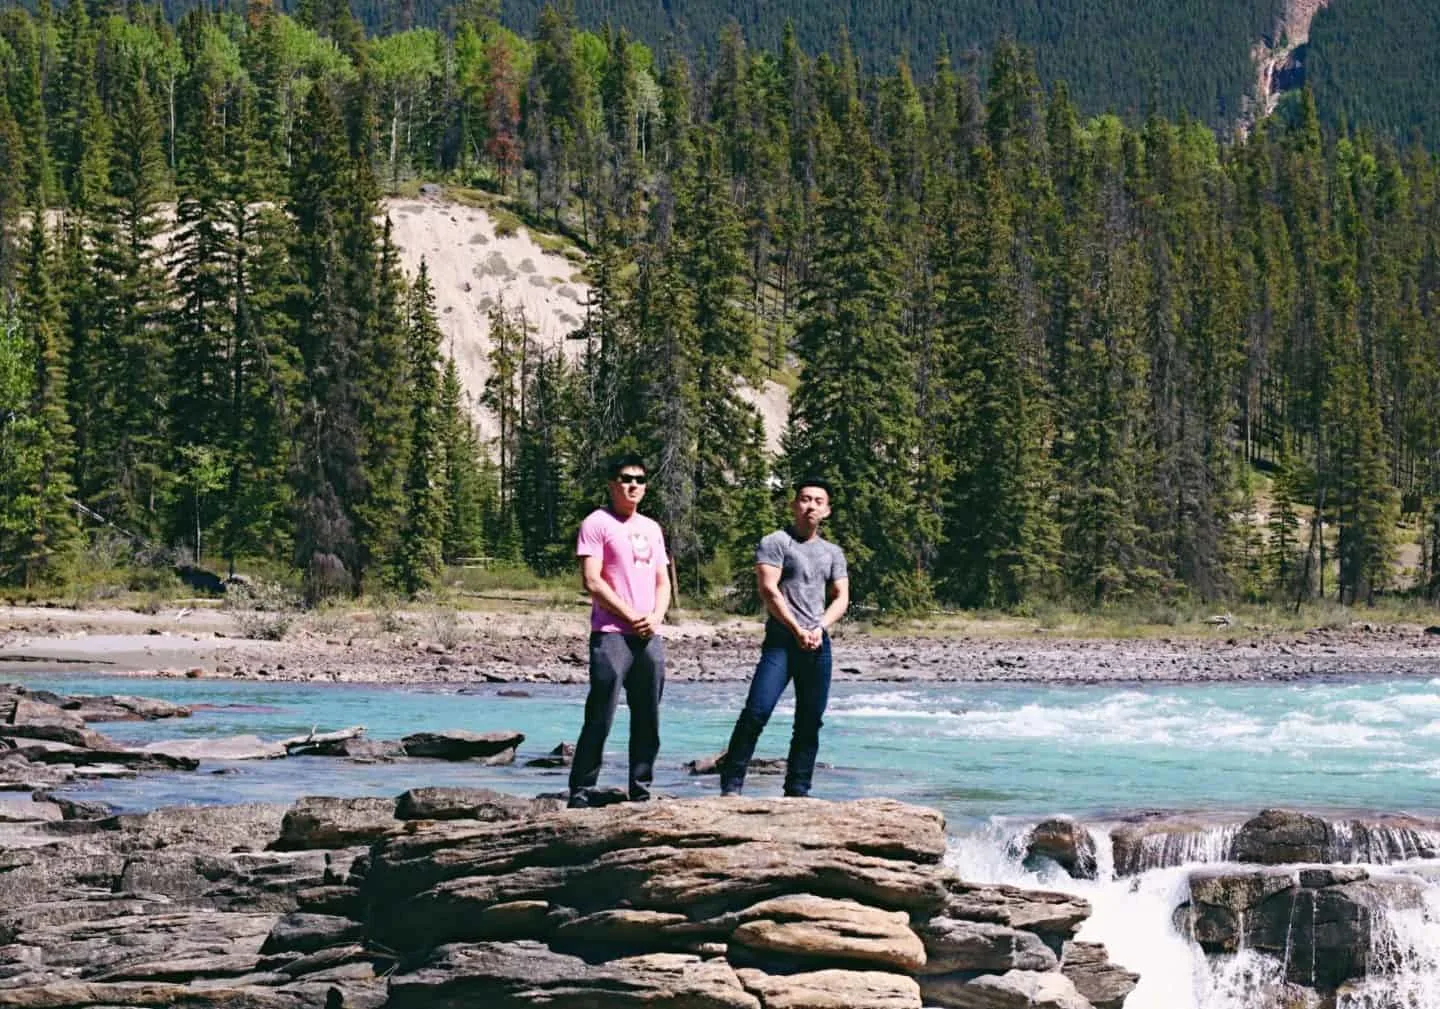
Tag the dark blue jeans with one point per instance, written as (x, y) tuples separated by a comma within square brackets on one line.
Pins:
[(638, 664), (782, 660)]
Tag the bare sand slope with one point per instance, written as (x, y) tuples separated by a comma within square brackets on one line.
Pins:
[(473, 269)]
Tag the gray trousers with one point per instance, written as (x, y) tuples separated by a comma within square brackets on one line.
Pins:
[(638, 665)]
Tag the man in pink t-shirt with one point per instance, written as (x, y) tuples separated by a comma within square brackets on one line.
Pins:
[(626, 571)]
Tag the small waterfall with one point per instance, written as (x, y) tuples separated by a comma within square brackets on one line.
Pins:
[(1381, 843), (1134, 917), (1168, 849), (1138, 850), (1404, 961)]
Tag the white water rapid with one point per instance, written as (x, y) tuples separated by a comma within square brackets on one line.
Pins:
[(1135, 918)]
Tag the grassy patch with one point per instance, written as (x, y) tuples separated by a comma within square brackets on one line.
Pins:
[(506, 223), (514, 584), (556, 245)]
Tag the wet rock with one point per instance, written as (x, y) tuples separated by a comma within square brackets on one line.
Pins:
[(1332, 875), (1066, 843), (1220, 901), (467, 804), (327, 822), (1279, 837), (1324, 936), (520, 975), (952, 946), (759, 765), (832, 989), (561, 756), (1104, 984), (1015, 989), (457, 744)]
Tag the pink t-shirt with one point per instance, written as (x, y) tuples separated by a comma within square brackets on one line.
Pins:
[(630, 553)]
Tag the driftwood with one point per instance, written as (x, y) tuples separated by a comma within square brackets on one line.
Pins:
[(320, 742)]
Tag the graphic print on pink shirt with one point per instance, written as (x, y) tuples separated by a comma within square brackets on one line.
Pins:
[(630, 553)]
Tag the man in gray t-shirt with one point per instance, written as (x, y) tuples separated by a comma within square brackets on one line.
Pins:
[(806, 588)]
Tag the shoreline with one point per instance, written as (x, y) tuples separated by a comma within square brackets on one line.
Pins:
[(549, 646)]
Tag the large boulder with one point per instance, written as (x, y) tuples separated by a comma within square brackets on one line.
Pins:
[(701, 882), (24, 809), (879, 828)]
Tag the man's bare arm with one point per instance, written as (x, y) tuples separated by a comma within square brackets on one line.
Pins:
[(601, 591), (839, 603)]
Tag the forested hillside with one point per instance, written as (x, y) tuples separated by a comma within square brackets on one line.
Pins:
[(1375, 64), (1041, 355)]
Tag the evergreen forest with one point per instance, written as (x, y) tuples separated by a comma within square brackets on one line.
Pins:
[(1040, 354)]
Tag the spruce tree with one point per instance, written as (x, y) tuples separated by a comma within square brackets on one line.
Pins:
[(852, 419), (999, 536), (421, 542), (39, 535), (125, 462), (467, 484)]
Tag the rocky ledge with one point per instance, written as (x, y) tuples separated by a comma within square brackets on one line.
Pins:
[(451, 897)]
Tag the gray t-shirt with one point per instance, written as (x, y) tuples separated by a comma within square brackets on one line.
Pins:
[(806, 568)]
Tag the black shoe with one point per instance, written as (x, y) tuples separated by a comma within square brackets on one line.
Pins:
[(578, 800)]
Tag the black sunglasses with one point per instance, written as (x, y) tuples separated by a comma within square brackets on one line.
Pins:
[(632, 478)]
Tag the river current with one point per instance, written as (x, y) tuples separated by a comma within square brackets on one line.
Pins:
[(994, 759)]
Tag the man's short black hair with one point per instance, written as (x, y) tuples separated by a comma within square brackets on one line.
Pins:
[(624, 460), (814, 481)]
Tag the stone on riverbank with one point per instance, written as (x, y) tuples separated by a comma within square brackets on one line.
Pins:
[(457, 744)]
